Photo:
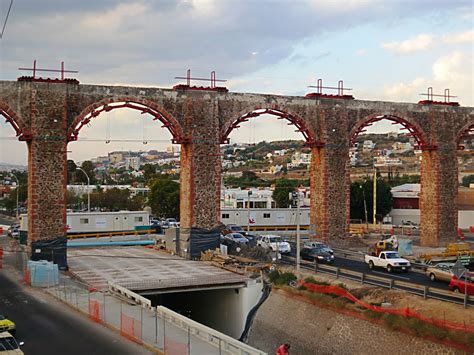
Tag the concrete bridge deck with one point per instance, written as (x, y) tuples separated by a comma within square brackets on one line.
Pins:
[(147, 271)]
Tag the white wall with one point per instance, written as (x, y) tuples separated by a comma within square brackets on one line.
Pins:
[(225, 310), (465, 218)]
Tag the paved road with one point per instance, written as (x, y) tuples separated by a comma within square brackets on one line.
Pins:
[(49, 327)]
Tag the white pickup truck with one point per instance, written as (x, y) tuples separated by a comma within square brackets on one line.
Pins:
[(389, 260)]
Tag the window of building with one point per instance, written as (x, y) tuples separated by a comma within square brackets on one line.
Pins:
[(240, 204), (84, 220), (138, 219), (260, 204), (225, 216), (266, 215)]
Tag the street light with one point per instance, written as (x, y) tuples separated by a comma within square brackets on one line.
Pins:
[(248, 211), (17, 192), (88, 190)]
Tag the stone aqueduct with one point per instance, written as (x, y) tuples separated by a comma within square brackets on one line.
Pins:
[(49, 115)]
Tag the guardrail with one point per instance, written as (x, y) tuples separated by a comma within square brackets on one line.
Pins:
[(420, 290), (110, 234), (221, 341)]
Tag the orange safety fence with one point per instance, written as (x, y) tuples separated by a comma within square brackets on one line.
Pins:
[(405, 312), (175, 348), (26, 277), (130, 328), (95, 311)]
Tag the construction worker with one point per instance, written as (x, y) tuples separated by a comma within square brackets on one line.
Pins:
[(283, 349)]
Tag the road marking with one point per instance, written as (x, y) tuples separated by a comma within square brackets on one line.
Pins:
[(383, 273)]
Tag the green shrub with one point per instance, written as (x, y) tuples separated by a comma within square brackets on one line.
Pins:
[(281, 278), (311, 280)]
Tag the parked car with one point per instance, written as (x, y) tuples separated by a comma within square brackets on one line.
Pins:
[(463, 285), (236, 238), (318, 254), (274, 243), (441, 272), (233, 228), (7, 325), (9, 345), (408, 225), (14, 231), (170, 223)]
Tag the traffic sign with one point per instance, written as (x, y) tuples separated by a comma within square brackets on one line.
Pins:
[(465, 259), (458, 269)]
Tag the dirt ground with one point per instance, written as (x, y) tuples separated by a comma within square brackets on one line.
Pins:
[(429, 308)]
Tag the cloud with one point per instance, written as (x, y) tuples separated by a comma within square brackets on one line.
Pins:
[(405, 92), (453, 71), (459, 37), (361, 52), (419, 43)]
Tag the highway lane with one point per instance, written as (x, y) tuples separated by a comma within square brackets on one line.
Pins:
[(412, 277), (49, 327)]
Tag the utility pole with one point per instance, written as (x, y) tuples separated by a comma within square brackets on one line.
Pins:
[(248, 211), (298, 237), (295, 199), (375, 197)]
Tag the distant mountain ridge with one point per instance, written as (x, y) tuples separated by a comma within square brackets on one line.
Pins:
[(9, 167)]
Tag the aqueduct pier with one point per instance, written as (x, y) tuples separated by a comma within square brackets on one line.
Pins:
[(49, 115)]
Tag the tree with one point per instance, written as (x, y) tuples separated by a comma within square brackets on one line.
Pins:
[(88, 167), (283, 187), (149, 171), (71, 171), (384, 199), (467, 180), (164, 197)]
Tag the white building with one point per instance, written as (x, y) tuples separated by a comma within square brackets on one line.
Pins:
[(132, 163), (238, 198), (401, 147), (368, 145)]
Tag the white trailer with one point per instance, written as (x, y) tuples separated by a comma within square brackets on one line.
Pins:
[(264, 217), (99, 222)]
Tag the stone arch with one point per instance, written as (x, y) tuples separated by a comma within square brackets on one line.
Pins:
[(463, 133), (15, 121), (246, 114), (412, 127), (143, 105)]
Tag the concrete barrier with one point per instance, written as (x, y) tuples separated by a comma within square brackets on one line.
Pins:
[(144, 302)]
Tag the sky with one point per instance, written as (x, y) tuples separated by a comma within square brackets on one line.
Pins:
[(383, 49)]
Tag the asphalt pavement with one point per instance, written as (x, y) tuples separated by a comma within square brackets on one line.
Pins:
[(50, 327)]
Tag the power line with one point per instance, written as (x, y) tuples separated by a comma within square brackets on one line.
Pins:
[(6, 19)]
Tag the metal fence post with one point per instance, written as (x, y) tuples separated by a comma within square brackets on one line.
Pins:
[(141, 322), (156, 326), (315, 266), (425, 292), (220, 346), (189, 340), (337, 272), (164, 332), (362, 278), (392, 283), (465, 296)]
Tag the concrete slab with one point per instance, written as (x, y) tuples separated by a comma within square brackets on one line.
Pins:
[(148, 271)]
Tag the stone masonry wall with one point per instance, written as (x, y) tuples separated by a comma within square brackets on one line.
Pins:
[(48, 113), (47, 176)]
